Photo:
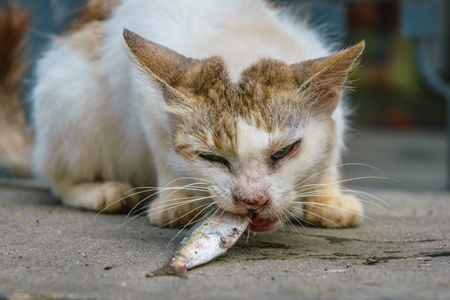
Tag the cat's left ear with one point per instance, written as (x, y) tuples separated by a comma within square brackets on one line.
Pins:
[(322, 79), (166, 66)]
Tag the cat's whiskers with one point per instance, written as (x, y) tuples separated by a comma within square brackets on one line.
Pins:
[(176, 203), (317, 185), (168, 187), (139, 210), (281, 221), (248, 235), (198, 180), (200, 207), (138, 206), (332, 193), (291, 215), (155, 190), (344, 165), (367, 196), (144, 209), (364, 197), (290, 222), (208, 203), (300, 209), (299, 219), (160, 190), (193, 219), (305, 189), (301, 187), (333, 207)]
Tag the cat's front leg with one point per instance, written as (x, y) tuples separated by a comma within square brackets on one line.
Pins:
[(329, 207), (176, 205), (175, 208), (111, 196)]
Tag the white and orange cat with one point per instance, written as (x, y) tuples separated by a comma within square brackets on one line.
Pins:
[(232, 103)]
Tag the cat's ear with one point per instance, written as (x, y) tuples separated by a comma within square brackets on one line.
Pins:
[(166, 66), (322, 79)]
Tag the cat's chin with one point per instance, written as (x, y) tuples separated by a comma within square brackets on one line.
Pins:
[(259, 224)]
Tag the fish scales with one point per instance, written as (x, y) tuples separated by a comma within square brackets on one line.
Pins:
[(211, 237)]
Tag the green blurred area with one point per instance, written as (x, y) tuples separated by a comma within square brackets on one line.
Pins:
[(389, 91)]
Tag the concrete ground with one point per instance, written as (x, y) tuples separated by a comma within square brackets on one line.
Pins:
[(48, 251), (414, 159)]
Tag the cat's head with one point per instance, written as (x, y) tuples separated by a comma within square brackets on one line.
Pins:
[(260, 142)]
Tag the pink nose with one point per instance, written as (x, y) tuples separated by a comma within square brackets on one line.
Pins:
[(252, 203), (251, 197)]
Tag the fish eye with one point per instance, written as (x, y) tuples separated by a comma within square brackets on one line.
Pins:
[(285, 152)]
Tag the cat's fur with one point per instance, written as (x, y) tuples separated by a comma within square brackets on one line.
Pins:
[(15, 138), (116, 109)]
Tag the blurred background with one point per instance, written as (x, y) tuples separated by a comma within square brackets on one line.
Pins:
[(400, 110), (399, 119)]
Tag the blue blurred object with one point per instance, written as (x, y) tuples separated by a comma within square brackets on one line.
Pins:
[(49, 18), (419, 19)]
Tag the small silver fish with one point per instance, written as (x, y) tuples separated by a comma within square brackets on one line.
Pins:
[(212, 236)]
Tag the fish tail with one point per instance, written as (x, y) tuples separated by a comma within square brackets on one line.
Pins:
[(169, 270)]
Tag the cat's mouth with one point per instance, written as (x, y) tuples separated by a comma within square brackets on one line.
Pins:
[(259, 224)]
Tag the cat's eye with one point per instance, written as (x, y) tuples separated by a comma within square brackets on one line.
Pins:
[(214, 158), (285, 152)]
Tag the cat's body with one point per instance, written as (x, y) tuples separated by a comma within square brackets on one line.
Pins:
[(232, 110)]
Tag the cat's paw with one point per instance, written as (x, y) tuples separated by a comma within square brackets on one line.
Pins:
[(111, 197), (115, 197), (333, 212), (174, 210)]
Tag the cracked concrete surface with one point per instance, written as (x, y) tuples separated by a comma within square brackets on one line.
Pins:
[(48, 251)]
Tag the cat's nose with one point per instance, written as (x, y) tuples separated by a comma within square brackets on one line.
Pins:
[(250, 197), (252, 203), (254, 206)]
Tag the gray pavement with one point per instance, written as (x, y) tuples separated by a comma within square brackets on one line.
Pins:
[(415, 159), (48, 251)]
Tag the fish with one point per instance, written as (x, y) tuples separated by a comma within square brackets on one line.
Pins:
[(212, 236)]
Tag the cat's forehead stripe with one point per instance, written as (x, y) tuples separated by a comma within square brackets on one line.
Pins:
[(251, 141)]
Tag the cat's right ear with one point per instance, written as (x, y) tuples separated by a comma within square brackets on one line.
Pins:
[(322, 79), (166, 66)]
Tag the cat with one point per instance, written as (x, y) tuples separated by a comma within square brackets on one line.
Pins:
[(234, 104)]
